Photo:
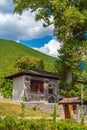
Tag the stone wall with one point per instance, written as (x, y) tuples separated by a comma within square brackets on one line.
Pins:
[(50, 89), (46, 107)]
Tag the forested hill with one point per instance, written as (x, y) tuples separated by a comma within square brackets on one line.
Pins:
[(10, 51)]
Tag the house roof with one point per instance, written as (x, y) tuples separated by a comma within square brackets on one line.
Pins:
[(72, 100), (33, 72)]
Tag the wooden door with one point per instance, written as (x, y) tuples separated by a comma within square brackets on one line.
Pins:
[(68, 111)]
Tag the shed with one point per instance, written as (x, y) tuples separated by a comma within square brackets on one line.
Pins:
[(70, 105)]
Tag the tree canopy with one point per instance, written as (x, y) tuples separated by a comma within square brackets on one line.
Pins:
[(27, 62), (69, 16)]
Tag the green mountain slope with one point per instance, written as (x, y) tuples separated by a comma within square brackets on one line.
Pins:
[(10, 51)]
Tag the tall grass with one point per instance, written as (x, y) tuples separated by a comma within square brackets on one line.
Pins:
[(13, 108)]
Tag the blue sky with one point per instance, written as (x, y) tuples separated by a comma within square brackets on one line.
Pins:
[(37, 43), (26, 30)]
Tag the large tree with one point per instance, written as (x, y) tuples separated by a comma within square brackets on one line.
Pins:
[(69, 16), (70, 27)]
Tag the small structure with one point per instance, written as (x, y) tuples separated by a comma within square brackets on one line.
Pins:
[(35, 85), (71, 106)]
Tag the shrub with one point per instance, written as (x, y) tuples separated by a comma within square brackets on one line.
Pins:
[(14, 123), (69, 125)]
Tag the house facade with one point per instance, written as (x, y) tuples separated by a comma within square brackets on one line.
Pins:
[(34, 85)]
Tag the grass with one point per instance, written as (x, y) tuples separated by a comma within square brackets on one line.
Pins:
[(13, 108), (10, 51)]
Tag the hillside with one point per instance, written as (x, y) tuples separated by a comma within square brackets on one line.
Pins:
[(10, 51)]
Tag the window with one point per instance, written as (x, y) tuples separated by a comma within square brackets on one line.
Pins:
[(49, 85), (36, 86), (50, 91)]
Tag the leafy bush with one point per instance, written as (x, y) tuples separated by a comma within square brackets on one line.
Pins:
[(6, 88), (9, 123), (69, 125), (14, 123), (27, 62)]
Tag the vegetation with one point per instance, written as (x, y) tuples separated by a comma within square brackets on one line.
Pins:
[(11, 54), (70, 27), (6, 88), (27, 62), (17, 109), (13, 123), (54, 114), (15, 116), (11, 51)]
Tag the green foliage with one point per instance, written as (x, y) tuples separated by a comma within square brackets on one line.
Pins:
[(54, 114), (82, 118), (70, 125), (9, 123), (70, 22), (27, 62), (9, 53), (54, 117), (70, 27), (13, 123), (70, 30), (69, 17), (84, 92), (72, 89), (71, 56), (22, 109), (6, 88), (23, 98)]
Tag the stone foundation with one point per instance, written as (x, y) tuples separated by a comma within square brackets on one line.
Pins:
[(46, 107)]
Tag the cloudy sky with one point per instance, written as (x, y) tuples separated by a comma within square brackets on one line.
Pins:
[(26, 30)]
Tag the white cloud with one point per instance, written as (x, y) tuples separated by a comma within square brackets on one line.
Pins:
[(6, 6), (15, 27), (3, 2), (51, 48)]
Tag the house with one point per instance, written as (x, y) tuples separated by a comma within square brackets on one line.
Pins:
[(35, 85)]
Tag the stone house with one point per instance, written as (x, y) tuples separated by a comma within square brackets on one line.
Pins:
[(35, 85)]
